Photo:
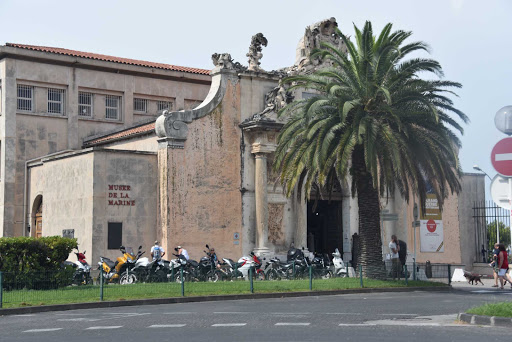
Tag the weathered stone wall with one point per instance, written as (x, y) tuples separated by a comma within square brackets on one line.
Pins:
[(146, 143), (203, 181)]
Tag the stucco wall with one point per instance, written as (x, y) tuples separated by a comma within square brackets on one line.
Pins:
[(203, 181), (67, 189), (139, 171), (146, 143)]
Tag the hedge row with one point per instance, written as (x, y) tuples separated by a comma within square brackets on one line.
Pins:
[(29, 262)]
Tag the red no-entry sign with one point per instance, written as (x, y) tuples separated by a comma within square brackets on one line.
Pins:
[(431, 226), (501, 157)]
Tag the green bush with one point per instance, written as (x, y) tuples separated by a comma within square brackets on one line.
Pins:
[(35, 263)]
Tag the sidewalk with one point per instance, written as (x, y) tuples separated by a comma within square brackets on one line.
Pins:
[(488, 286)]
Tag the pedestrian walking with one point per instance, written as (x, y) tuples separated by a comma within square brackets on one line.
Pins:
[(394, 248), (503, 266)]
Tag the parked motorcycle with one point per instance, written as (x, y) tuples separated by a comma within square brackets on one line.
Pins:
[(82, 274), (151, 271), (205, 269), (230, 270), (321, 267), (340, 269), (121, 270), (254, 262)]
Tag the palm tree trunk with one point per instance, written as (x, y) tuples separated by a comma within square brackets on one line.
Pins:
[(370, 245)]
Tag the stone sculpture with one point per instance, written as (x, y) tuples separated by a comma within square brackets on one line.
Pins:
[(254, 54)]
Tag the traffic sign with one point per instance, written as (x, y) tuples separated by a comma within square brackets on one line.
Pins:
[(501, 191), (501, 157)]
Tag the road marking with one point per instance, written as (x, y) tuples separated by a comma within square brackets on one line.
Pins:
[(289, 313), (229, 325), (398, 314), (503, 156), (27, 315), (166, 325), (356, 324), (295, 324), (342, 313), (105, 327), (43, 330), (485, 291), (232, 312), (81, 319), (178, 313)]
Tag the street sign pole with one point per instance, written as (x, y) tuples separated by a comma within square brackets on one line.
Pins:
[(415, 215)]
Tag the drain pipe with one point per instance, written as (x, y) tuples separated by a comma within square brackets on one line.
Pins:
[(25, 187)]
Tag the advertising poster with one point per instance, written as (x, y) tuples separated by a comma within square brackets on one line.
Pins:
[(431, 227)]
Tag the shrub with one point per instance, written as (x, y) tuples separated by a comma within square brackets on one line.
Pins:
[(35, 263)]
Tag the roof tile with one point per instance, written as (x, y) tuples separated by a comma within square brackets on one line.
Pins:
[(147, 128), (100, 57)]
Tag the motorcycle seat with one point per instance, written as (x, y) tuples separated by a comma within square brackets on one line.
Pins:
[(193, 262), (109, 262)]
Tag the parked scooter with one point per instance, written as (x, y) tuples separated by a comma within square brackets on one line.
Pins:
[(82, 270), (340, 270), (121, 270)]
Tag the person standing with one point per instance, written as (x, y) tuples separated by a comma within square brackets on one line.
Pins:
[(503, 266), (183, 251), (157, 252), (494, 263), (394, 248)]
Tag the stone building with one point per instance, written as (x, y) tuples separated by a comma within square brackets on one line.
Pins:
[(197, 172)]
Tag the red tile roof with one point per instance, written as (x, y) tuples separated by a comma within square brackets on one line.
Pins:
[(124, 134), (121, 60)]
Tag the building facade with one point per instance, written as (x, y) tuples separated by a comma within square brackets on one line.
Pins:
[(196, 172)]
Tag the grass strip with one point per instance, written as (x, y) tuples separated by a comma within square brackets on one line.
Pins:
[(503, 309), (113, 292)]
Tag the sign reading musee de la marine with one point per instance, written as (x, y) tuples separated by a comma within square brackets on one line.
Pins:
[(119, 195), (431, 226)]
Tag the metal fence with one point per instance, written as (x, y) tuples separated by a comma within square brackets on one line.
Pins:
[(487, 213), (47, 288)]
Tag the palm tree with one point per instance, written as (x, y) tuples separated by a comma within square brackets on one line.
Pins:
[(373, 121)]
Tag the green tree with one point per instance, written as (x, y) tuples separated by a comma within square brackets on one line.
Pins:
[(376, 122), (491, 234)]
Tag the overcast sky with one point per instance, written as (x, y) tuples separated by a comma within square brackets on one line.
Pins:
[(471, 39)]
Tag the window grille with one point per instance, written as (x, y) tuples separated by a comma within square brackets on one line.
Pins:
[(163, 105), (55, 101), (140, 105), (112, 104), (85, 104), (25, 98)]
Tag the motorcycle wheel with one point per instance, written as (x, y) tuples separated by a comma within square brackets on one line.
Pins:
[(272, 275), (327, 275), (212, 276), (127, 279), (260, 276)]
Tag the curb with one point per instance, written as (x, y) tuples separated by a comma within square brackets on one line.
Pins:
[(178, 300), (493, 321)]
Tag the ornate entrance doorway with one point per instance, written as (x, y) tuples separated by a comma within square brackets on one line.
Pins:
[(325, 231)]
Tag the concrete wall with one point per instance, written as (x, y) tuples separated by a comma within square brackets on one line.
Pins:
[(139, 171), (473, 190), (146, 143), (75, 192), (66, 186), (25, 136)]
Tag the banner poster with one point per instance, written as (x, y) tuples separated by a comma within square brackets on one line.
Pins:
[(431, 227)]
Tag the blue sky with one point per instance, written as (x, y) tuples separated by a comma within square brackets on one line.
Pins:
[(471, 39)]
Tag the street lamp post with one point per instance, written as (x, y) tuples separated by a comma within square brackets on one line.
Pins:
[(476, 167)]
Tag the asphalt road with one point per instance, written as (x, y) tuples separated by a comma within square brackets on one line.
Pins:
[(418, 316)]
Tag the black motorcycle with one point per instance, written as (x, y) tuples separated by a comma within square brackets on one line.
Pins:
[(205, 269)]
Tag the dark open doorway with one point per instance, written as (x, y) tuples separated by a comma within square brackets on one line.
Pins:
[(325, 228)]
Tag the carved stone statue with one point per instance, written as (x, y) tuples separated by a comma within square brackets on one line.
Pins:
[(222, 61), (323, 31), (254, 53), (277, 98)]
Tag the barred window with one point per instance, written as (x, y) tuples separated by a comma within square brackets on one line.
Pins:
[(25, 98), (85, 104), (112, 107), (163, 105), (55, 101), (140, 105)]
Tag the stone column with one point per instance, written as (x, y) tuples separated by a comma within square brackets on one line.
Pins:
[(261, 199)]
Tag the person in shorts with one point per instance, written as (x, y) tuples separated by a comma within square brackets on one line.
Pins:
[(503, 266), (494, 263)]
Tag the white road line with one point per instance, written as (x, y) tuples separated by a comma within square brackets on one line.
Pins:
[(356, 324), (80, 319), (341, 313), (503, 156), (232, 312), (166, 325), (229, 325), (294, 324), (27, 315), (105, 327), (42, 330), (289, 313)]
